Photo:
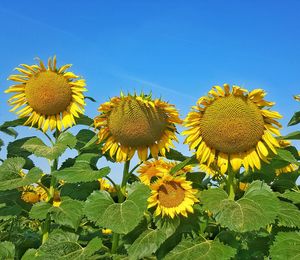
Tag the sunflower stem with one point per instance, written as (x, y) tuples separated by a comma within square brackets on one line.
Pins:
[(50, 193), (231, 184), (121, 198)]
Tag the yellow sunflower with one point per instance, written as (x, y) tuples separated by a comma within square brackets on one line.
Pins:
[(172, 196), (105, 185), (157, 168), (136, 123), (33, 194), (49, 96), (287, 169), (232, 126)]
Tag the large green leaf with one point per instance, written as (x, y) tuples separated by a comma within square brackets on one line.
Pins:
[(207, 249), (69, 213), (36, 146), (8, 211), (79, 191), (40, 210), (31, 177), (11, 168), (64, 245), (257, 208), (289, 215), (119, 217), (179, 166), (293, 196), (292, 136), (84, 120), (83, 137), (286, 246), (175, 155), (287, 156), (82, 170), (151, 239), (7, 250)]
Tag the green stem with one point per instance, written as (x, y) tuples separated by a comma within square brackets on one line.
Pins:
[(231, 184), (47, 223), (121, 198)]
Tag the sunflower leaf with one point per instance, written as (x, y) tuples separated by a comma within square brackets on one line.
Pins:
[(295, 119), (1, 144), (40, 210), (286, 246), (31, 177), (292, 136), (293, 196), (286, 156), (207, 249), (83, 170), (257, 208), (7, 250), (119, 217), (36, 146), (289, 215), (188, 161), (11, 168), (84, 120)]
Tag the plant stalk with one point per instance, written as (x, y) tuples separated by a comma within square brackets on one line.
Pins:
[(231, 184)]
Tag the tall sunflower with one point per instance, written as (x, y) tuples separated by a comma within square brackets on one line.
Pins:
[(49, 96), (136, 123), (232, 126), (156, 168), (172, 196)]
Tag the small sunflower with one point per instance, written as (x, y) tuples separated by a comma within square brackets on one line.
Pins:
[(105, 185), (233, 126), (136, 123), (33, 194), (49, 96), (287, 169), (172, 195), (157, 168)]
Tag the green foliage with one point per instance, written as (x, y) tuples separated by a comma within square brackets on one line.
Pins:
[(201, 249), (288, 215), (36, 146), (256, 209), (7, 250), (286, 246)]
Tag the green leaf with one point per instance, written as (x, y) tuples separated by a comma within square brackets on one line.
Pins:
[(40, 149), (289, 215), (40, 210), (79, 191), (1, 144), (286, 156), (82, 170), (69, 213), (257, 208), (151, 239), (14, 149), (285, 181), (11, 168), (31, 177), (84, 120), (292, 136), (188, 161), (139, 193), (119, 217), (13, 123), (90, 98), (10, 131), (83, 137), (286, 246), (175, 155), (208, 249), (295, 119), (8, 211), (293, 196), (7, 250)]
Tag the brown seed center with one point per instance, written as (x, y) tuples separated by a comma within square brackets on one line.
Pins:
[(48, 93), (134, 124), (232, 125), (170, 194)]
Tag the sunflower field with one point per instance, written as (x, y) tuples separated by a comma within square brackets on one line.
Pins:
[(235, 196)]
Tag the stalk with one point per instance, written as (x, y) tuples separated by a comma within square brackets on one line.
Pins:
[(121, 198), (231, 184)]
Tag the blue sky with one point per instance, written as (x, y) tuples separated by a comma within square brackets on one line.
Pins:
[(177, 49)]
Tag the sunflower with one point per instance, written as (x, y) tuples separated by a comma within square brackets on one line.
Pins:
[(49, 96), (105, 185), (136, 123), (172, 195), (157, 168), (33, 194), (287, 169), (232, 126)]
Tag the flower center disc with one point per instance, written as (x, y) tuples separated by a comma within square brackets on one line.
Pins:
[(170, 194), (232, 125), (134, 124), (48, 93)]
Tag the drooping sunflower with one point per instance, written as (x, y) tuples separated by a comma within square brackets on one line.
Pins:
[(157, 168), (49, 96), (172, 196), (287, 169), (33, 194), (232, 126), (136, 123)]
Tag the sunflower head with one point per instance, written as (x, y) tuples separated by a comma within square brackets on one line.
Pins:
[(172, 196), (33, 194), (136, 123), (157, 168), (49, 96), (232, 126)]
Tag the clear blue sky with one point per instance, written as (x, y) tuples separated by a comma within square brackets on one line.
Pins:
[(177, 49)]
